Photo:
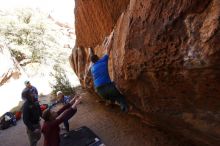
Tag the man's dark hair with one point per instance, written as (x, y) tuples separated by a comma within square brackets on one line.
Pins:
[(94, 58)]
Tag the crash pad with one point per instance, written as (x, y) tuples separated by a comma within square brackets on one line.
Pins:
[(82, 136)]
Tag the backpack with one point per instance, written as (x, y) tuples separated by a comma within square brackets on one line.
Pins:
[(11, 118), (7, 120), (4, 124)]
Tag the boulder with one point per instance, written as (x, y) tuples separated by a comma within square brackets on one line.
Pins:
[(165, 59)]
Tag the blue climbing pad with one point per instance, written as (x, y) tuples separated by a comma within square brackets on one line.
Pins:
[(82, 136)]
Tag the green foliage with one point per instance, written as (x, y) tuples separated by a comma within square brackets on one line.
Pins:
[(19, 56), (61, 82), (30, 32)]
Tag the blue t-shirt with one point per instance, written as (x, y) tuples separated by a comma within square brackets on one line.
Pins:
[(65, 100), (100, 72)]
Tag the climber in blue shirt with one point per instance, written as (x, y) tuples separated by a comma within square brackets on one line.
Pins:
[(102, 82), (100, 71)]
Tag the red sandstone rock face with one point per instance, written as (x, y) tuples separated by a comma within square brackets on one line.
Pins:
[(165, 59)]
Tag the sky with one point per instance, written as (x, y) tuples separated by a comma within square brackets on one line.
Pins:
[(62, 10)]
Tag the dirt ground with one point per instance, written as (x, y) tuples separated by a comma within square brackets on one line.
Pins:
[(110, 124)]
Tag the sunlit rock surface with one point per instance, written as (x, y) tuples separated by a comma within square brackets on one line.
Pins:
[(165, 60), (11, 80)]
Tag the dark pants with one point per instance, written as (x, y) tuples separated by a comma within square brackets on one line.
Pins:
[(66, 125), (34, 137), (110, 92)]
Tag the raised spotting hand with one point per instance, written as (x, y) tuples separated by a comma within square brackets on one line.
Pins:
[(77, 101)]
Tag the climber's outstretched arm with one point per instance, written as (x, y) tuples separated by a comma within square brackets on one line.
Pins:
[(91, 52), (108, 44)]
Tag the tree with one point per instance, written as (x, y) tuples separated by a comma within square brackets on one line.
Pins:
[(61, 82), (29, 32)]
